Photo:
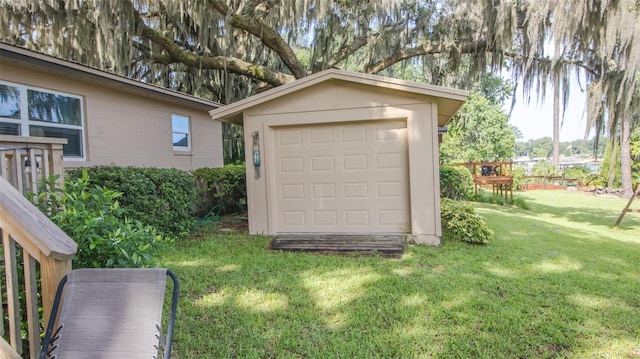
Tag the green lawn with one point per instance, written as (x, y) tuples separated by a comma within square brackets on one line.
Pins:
[(557, 281)]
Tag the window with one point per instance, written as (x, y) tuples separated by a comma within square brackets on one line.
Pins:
[(181, 133), (28, 111)]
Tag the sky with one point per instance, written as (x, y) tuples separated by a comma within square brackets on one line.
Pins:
[(535, 120)]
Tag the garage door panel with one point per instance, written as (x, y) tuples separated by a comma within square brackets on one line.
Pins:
[(354, 162), (354, 134), (356, 190), (349, 177), (357, 217), (293, 217), (291, 164), (389, 190), (390, 217), (323, 163), (325, 218), (289, 136), (323, 191), (321, 135), (389, 160), (292, 191), (371, 190)]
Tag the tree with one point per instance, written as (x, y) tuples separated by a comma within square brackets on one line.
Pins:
[(635, 155), (227, 50), (542, 148), (556, 126), (610, 168), (480, 131)]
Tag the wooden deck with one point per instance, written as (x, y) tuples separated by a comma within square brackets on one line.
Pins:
[(497, 175), (319, 242)]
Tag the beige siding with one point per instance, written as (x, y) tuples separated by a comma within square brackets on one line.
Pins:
[(346, 104), (337, 95), (128, 129)]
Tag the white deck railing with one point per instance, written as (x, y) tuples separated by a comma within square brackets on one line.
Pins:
[(25, 161), (29, 238)]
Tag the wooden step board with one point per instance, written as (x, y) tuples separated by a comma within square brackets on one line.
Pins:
[(387, 244)]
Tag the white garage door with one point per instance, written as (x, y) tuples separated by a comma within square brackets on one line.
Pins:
[(348, 177)]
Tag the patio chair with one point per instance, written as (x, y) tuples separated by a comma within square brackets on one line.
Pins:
[(111, 313)]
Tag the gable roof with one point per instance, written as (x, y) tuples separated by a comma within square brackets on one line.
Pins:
[(449, 100), (19, 56)]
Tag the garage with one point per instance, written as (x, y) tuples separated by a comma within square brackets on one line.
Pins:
[(344, 153), (346, 177)]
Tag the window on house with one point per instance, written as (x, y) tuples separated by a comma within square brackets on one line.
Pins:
[(28, 111), (181, 132), (9, 110)]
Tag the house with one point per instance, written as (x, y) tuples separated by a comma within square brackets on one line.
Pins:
[(343, 152), (105, 118)]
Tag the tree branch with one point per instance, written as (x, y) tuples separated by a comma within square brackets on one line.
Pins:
[(267, 35), (426, 49), (176, 54), (463, 48), (566, 61), (346, 50)]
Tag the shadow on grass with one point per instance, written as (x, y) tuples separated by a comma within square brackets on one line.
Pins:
[(539, 290), (584, 208)]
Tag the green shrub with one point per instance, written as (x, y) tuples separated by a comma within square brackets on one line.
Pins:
[(462, 223), (225, 187), (159, 197), (544, 168), (456, 183), (583, 174), (595, 179), (520, 203), (485, 196), (580, 172), (91, 215), (519, 174)]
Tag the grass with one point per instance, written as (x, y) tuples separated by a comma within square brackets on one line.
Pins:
[(556, 282)]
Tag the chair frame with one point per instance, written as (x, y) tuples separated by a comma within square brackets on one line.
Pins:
[(168, 339)]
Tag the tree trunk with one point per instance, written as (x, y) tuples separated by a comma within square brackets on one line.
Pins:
[(556, 125), (615, 152), (625, 156)]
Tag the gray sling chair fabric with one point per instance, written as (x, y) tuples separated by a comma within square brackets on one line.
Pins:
[(110, 313)]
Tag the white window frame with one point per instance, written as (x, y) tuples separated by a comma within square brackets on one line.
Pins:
[(24, 121), (175, 131)]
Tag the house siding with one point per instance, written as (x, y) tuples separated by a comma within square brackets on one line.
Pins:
[(126, 128)]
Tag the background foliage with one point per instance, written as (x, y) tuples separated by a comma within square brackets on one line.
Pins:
[(456, 183), (224, 187), (480, 131), (543, 147)]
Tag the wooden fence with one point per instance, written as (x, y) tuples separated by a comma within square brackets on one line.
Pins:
[(549, 183)]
